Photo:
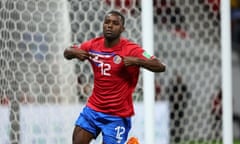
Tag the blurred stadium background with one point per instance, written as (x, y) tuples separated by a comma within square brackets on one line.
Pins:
[(41, 94)]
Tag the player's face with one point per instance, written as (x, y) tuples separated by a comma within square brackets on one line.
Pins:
[(112, 27)]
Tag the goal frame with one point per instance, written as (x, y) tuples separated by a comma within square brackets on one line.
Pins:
[(226, 57)]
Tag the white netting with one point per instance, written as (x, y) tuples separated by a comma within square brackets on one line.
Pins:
[(42, 94)]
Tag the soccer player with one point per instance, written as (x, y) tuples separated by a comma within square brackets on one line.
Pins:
[(115, 62)]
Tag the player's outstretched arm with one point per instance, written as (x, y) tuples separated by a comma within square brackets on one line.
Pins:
[(153, 64), (71, 53)]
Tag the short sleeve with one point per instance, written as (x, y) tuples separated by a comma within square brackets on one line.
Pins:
[(85, 45), (138, 51)]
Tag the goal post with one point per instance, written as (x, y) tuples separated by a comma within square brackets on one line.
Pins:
[(148, 77), (226, 73)]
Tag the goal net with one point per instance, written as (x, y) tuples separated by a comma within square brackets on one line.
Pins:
[(41, 94)]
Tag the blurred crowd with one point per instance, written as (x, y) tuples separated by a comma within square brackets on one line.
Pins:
[(235, 17)]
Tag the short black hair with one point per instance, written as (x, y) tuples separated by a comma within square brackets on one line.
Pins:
[(119, 14)]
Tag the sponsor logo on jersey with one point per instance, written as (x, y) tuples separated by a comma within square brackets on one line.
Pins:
[(117, 59)]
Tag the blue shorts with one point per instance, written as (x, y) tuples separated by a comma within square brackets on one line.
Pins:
[(114, 129)]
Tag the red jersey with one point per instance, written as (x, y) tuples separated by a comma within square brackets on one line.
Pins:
[(114, 83)]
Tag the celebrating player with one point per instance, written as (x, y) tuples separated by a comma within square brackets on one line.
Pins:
[(116, 62)]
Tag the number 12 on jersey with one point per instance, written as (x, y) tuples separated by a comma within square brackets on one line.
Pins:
[(105, 68)]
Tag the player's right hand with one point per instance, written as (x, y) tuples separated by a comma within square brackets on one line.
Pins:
[(82, 55), (74, 52)]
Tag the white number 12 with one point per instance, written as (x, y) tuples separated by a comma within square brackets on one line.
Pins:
[(120, 130), (105, 67)]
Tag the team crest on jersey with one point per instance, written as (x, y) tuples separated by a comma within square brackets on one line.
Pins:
[(117, 59)]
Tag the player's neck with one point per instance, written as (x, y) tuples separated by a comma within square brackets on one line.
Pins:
[(111, 43)]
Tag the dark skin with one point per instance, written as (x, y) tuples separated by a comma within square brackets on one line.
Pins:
[(112, 29)]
